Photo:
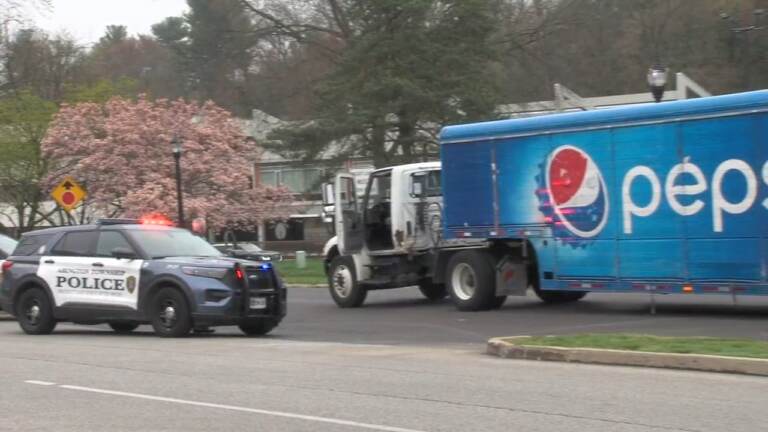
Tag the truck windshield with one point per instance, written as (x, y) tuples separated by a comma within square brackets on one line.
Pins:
[(379, 189), (161, 243)]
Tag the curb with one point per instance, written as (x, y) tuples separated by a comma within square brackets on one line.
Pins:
[(505, 347), (5, 317)]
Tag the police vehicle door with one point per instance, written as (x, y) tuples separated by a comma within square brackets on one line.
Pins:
[(81, 270)]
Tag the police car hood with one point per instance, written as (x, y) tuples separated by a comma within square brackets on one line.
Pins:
[(222, 261)]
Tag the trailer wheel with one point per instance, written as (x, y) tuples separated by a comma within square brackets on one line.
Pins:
[(343, 284), (558, 297), (471, 280), (432, 291), (498, 302)]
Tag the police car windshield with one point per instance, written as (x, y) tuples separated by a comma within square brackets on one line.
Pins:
[(161, 243)]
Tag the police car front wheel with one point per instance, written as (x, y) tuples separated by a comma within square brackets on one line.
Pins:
[(34, 312), (258, 327), (170, 314)]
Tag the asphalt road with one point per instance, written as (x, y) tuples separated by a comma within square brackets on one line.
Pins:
[(403, 316), (399, 364)]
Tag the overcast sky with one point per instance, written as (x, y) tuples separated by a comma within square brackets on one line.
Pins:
[(87, 19)]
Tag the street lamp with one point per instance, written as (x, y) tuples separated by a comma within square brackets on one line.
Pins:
[(657, 80), (176, 142)]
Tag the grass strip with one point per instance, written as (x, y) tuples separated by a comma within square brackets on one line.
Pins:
[(657, 344), (312, 274)]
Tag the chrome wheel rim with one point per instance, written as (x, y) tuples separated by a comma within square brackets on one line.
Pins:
[(342, 281), (464, 281), (168, 313), (32, 312)]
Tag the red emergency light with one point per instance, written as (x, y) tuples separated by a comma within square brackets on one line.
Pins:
[(156, 219)]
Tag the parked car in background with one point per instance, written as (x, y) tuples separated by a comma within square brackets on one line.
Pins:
[(248, 251), (7, 245)]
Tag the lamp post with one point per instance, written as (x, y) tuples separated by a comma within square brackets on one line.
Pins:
[(657, 80), (176, 142)]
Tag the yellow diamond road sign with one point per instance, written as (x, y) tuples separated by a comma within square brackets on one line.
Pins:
[(68, 194)]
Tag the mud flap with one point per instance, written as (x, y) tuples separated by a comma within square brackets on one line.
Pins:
[(511, 278)]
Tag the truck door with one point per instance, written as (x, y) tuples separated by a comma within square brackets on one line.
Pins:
[(348, 221)]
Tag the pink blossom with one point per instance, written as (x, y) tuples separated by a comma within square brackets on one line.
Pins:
[(122, 153)]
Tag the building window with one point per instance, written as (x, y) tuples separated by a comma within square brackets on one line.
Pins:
[(305, 180), (270, 178), (298, 180)]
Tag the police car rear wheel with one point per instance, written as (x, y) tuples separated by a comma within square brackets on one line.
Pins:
[(258, 327), (123, 327), (170, 314), (34, 312)]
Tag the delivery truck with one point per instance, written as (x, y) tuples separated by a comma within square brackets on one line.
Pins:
[(665, 198)]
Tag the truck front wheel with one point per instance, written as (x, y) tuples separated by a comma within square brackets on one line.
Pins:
[(343, 284), (471, 280)]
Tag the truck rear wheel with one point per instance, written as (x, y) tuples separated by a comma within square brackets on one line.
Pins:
[(471, 280), (432, 291), (343, 284)]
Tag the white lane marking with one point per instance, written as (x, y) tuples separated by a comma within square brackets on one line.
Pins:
[(243, 409), (42, 383)]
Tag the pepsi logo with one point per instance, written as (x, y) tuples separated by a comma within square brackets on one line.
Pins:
[(577, 191)]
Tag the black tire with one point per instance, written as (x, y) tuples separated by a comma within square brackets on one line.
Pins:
[(123, 327), (258, 327), (345, 289), (35, 312), (433, 291), (498, 302), (558, 297), (176, 322), (471, 280)]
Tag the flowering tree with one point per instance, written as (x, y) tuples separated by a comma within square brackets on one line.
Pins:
[(122, 152)]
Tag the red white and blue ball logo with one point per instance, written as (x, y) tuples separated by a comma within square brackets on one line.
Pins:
[(577, 192)]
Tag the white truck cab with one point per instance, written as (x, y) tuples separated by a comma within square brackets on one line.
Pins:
[(391, 236)]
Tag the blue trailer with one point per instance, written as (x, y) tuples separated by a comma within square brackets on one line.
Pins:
[(666, 198), (656, 198)]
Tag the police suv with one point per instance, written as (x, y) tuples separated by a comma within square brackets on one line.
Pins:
[(125, 273)]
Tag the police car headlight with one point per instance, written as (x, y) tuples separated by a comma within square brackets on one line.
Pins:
[(216, 273)]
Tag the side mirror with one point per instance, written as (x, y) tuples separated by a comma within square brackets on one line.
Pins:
[(416, 190), (328, 196), (123, 253)]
